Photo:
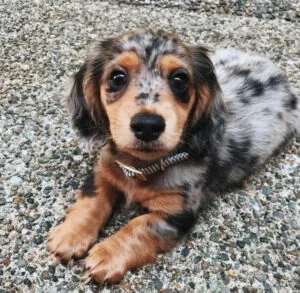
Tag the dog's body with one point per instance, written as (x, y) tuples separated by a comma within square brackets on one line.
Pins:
[(262, 113), (228, 122)]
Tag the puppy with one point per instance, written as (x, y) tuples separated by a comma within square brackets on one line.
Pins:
[(175, 126)]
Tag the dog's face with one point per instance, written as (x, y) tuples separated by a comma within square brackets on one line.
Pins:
[(144, 91), (147, 93)]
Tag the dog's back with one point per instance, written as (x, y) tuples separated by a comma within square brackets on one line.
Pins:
[(262, 109)]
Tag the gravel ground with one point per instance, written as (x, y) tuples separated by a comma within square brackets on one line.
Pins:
[(266, 9), (247, 241)]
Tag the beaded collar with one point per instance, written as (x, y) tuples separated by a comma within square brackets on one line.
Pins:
[(161, 165)]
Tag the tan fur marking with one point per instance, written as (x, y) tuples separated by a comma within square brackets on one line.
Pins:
[(89, 90), (165, 201), (202, 106), (205, 95), (129, 60), (170, 63), (162, 201)]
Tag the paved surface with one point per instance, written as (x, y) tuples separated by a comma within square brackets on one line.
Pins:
[(247, 241), (265, 9)]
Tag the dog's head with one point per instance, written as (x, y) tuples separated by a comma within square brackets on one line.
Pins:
[(149, 93)]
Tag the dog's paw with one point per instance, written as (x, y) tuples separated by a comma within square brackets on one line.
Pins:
[(104, 262), (70, 241)]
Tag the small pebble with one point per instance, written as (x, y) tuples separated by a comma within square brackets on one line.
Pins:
[(26, 158), (41, 283), (266, 191), (295, 223), (240, 243), (197, 259), (38, 240), (21, 262), (28, 283), (16, 181), (267, 259), (31, 269), (260, 276), (185, 252), (224, 256), (214, 237), (204, 265), (45, 275), (2, 201)]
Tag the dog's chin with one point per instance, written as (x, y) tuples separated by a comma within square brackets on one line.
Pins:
[(147, 156), (147, 152)]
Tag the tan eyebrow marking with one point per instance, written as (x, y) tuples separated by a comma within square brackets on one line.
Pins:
[(170, 63), (129, 60)]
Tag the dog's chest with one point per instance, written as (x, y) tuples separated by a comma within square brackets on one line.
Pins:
[(185, 174)]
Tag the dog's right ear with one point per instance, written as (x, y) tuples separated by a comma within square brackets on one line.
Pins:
[(86, 112)]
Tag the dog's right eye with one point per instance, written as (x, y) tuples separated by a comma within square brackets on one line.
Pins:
[(118, 80)]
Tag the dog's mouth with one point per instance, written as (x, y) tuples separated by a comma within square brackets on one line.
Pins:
[(147, 151)]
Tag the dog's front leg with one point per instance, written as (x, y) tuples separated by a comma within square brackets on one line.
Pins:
[(84, 220), (138, 242)]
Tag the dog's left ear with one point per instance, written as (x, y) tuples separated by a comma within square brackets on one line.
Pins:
[(206, 123)]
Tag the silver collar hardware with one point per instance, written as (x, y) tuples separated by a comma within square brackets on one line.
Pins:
[(162, 165)]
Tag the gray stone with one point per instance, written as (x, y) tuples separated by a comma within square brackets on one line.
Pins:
[(295, 223), (2, 201), (224, 256), (267, 259), (16, 181), (260, 276), (214, 237), (45, 275), (26, 158), (21, 262)]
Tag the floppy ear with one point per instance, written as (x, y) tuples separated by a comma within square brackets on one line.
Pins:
[(86, 112), (207, 116)]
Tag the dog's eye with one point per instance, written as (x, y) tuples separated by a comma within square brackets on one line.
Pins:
[(179, 82), (118, 80)]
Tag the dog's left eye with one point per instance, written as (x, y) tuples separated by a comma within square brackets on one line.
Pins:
[(179, 81), (118, 80)]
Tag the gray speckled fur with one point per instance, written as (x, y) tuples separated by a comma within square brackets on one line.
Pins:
[(244, 122), (260, 132), (257, 120)]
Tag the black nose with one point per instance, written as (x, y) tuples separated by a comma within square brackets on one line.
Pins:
[(147, 127)]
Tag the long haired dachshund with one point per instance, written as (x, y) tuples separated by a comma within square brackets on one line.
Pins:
[(175, 126)]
